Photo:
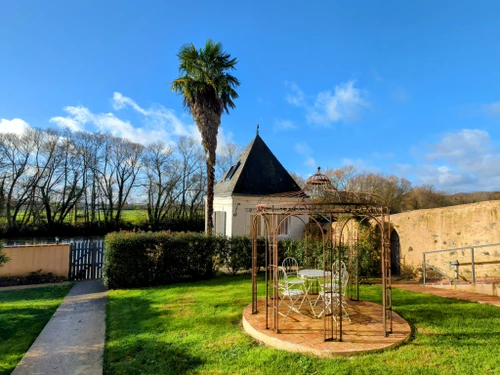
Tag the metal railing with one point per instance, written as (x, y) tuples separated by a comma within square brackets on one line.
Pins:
[(456, 263)]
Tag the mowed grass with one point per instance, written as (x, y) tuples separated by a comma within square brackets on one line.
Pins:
[(135, 217), (194, 328), (23, 314)]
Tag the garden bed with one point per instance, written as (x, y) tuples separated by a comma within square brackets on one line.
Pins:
[(32, 278)]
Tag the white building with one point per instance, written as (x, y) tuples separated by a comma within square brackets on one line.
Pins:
[(257, 173)]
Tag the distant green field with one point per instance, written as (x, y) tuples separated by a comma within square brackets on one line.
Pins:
[(135, 216)]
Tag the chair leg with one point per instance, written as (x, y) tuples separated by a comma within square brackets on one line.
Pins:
[(290, 305), (345, 310)]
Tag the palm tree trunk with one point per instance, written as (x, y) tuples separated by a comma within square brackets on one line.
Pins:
[(210, 196), (208, 121)]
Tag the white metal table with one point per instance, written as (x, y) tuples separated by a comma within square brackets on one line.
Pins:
[(311, 275)]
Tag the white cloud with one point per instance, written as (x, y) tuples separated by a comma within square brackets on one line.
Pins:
[(376, 76), (445, 177), (400, 94), (16, 125), (462, 161), (156, 116), (223, 139), (345, 103), (360, 165), (383, 155), (297, 96), (280, 124), (79, 117), (310, 162), (304, 149), (492, 108), (156, 122), (402, 170)]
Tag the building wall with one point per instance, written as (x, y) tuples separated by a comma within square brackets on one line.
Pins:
[(31, 258), (238, 215), (451, 228), (224, 204)]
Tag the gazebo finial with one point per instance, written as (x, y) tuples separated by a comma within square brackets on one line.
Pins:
[(257, 129)]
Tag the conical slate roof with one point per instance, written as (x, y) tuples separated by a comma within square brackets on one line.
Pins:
[(256, 172)]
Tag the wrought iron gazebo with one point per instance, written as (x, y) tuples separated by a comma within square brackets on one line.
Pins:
[(344, 213)]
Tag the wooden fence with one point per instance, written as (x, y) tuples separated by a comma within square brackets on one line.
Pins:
[(86, 260)]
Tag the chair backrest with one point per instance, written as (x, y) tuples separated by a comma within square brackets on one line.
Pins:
[(340, 274), (291, 266), (282, 279)]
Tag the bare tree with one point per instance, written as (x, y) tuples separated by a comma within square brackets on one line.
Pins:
[(226, 157), (18, 177), (118, 169), (342, 177), (61, 183), (163, 175), (191, 165)]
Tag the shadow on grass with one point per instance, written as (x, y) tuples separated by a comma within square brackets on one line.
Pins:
[(142, 356), (140, 339), (23, 315)]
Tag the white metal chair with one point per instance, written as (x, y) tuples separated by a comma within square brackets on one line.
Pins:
[(292, 298), (291, 267), (329, 293)]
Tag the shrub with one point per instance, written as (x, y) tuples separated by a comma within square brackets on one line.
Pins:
[(369, 251), (3, 257), (237, 254), (137, 259)]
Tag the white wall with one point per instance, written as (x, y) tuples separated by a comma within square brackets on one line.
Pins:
[(239, 210)]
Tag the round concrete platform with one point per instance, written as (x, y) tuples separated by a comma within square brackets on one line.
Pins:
[(304, 333)]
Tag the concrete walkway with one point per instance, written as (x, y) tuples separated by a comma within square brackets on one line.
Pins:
[(447, 293), (72, 342)]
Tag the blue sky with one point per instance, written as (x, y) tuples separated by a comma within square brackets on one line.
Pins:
[(393, 87)]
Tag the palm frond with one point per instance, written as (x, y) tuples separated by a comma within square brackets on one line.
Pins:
[(204, 77)]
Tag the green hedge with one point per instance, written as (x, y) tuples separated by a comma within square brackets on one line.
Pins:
[(139, 259), (153, 258), (237, 254)]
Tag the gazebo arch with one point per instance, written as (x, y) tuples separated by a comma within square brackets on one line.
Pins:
[(345, 212)]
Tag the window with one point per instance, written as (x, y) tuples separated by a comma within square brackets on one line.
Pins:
[(220, 222), (230, 173), (283, 229), (258, 226)]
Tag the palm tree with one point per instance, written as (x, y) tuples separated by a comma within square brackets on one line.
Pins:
[(208, 91)]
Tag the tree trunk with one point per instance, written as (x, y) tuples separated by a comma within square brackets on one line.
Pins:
[(210, 194), (208, 121)]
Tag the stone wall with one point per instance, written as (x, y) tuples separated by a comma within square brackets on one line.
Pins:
[(464, 226)]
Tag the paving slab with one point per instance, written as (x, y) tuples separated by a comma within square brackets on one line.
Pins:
[(72, 342), (468, 296)]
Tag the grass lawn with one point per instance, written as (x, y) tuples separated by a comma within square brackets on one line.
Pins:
[(135, 217), (194, 328), (23, 314)]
